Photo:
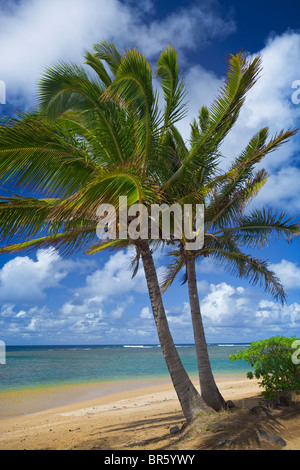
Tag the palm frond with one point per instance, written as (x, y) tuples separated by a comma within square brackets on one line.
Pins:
[(226, 208), (203, 118), (133, 87), (27, 143), (256, 229), (68, 242), (107, 51), (67, 87), (173, 88), (257, 149), (107, 244), (24, 217), (96, 64), (172, 270), (105, 188), (241, 76), (251, 268), (64, 87)]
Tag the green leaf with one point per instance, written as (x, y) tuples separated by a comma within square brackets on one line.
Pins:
[(174, 91)]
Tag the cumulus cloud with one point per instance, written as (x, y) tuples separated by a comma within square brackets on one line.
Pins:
[(105, 287), (226, 306), (282, 190), (32, 322), (190, 27), (145, 313), (115, 278), (90, 307), (24, 280), (90, 313), (35, 34), (288, 273), (235, 314), (101, 312), (24, 294)]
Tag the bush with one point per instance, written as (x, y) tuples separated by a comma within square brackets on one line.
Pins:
[(276, 363)]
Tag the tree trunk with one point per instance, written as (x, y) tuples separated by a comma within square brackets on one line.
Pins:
[(208, 387), (190, 400)]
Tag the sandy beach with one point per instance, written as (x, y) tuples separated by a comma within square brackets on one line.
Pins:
[(140, 417)]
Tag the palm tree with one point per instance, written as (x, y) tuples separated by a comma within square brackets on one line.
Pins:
[(195, 171), (92, 140), (226, 197)]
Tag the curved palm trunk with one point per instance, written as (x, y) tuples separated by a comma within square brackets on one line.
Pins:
[(190, 400), (209, 389)]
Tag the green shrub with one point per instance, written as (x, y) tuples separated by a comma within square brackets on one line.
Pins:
[(276, 363)]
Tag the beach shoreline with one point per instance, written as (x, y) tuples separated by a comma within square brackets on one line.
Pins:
[(136, 418), (24, 401)]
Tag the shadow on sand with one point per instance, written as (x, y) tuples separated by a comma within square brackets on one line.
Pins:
[(238, 429)]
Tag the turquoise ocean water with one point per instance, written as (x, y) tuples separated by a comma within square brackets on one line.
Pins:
[(29, 367)]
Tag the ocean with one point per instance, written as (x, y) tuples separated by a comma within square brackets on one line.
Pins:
[(36, 378), (30, 367)]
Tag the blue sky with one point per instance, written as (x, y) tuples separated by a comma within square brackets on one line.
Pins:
[(48, 299)]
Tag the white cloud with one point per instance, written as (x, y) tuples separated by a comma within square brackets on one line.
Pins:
[(90, 312), (190, 27), (23, 280), (226, 306), (145, 313), (115, 278), (269, 103), (230, 313), (207, 266), (288, 273), (86, 308), (218, 305), (117, 312), (21, 313), (35, 34), (180, 316), (235, 314), (105, 286), (32, 324), (7, 310), (282, 191)]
